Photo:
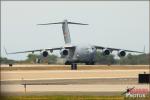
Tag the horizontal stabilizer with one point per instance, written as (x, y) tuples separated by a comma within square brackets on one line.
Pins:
[(51, 23), (63, 23), (76, 23)]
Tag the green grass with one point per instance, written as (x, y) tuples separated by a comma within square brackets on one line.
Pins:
[(70, 98)]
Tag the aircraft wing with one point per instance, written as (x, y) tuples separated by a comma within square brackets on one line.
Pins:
[(39, 50), (116, 49), (32, 51)]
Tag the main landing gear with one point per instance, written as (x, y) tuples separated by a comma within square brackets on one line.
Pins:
[(73, 66)]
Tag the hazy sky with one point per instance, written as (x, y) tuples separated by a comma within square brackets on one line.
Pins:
[(118, 24)]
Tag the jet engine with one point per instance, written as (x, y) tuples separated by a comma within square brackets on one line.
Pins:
[(121, 53), (44, 53), (64, 52), (106, 51)]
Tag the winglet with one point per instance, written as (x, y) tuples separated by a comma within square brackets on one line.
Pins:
[(144, 50), (5, 51)]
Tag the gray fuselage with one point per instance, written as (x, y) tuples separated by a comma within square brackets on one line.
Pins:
[(82, 54)]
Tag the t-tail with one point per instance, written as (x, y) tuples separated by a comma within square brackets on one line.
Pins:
[(65, 29)]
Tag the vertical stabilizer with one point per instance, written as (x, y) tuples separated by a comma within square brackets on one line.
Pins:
[(66, 33), (65, 29)]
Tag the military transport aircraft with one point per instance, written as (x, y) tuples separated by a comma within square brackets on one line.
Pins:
[(77, 53)]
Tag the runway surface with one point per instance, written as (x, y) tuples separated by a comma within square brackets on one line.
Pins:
[(67, 67), (48, 81), (72, 81), (70, 74)]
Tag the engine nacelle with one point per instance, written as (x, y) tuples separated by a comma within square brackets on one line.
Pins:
[(64, 52), (121, 53), (44, 53), (106, 51)]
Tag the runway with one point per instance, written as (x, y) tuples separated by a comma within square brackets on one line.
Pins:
[(67, 67), (70, 74), (93, 81), (72, 81)]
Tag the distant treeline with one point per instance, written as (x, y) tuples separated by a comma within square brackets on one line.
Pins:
[(31, 59), (128, 59), (100, 59)]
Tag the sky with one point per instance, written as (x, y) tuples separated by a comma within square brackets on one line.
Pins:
[(118, 24)]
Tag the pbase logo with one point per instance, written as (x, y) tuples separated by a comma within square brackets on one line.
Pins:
[(136, 92)]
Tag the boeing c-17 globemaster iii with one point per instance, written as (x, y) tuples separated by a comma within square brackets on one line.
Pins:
[(77, 53)]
